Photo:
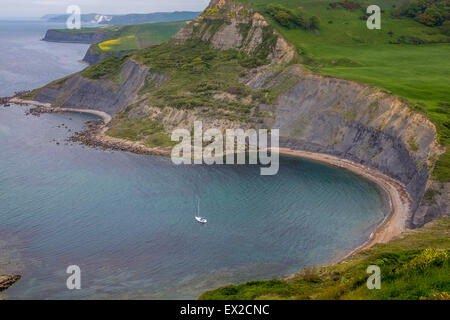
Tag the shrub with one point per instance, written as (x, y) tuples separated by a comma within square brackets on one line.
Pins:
[(429, 12), (314, 23), (427, 259), (283, 18), (287, 17), (104, 68), (446, 28)]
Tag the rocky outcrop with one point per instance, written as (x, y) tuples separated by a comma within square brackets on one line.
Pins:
[(228, 25), (434, 204), (7, 281), (81, 37)]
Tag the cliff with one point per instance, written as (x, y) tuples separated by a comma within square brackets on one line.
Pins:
[(106, 95), (76, 37), (230, 68)]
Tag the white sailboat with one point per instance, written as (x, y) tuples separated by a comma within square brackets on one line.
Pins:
[(198, 217)]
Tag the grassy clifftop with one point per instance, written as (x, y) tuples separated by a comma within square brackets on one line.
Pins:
[(134, 37), (414, 266), (405, 57), (118, 40)]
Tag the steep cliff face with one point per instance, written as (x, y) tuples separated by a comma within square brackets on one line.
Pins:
[(85, 37), (314, 113), (359, 123), (92, 57), (108, 95)]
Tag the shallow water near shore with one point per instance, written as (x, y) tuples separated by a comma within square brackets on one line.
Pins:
[(128, 220)]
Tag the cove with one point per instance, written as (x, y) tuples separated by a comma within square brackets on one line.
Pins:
[(128, 220)]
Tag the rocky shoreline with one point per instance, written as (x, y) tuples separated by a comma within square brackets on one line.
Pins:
[(95, 133), (94, 136)]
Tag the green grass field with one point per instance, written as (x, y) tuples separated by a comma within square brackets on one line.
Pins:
[(413, 267), (143, 35), (129, 38), (344, 47)]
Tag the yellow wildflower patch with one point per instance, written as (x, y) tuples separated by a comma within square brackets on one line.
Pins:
[(107, 45)]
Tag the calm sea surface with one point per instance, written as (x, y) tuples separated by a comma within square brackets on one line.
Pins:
[(128, 220), (26, 62)]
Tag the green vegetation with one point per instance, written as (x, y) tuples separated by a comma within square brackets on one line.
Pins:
[(415, 266), (125, 39), (139, 129), (200, 77), (428, 12), (292, 19), (405, 57), (106, 68), (135, 37), (442, 170)]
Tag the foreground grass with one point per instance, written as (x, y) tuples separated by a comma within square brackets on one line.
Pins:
[(414, 266)]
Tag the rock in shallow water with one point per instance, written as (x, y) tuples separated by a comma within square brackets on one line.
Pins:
[(7, 281)]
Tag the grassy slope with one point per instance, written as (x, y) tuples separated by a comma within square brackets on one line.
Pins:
[(128, 38), (345, 48), (197, 74), (135, 37), (415, 266)]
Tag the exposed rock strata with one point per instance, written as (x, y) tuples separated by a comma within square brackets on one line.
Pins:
[(87, 37), (104, 95)]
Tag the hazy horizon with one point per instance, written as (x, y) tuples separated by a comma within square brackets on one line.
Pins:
[(13, 9)]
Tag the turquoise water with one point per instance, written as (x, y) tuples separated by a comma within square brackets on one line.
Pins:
[(128, 220)]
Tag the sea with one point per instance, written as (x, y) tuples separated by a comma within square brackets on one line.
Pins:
[(127, 220)]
